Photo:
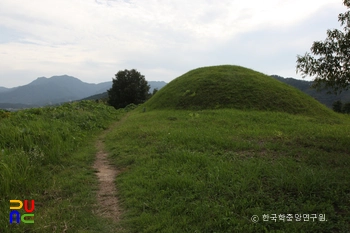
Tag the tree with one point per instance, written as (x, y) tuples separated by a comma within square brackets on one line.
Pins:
[(155, 90), (332, 62), (129, 87), (346, 108), (337, 106), (152, 94)]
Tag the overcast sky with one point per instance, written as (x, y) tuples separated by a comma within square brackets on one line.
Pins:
[(93, 39)]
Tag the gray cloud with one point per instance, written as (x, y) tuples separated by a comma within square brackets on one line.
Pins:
[(93, 40)]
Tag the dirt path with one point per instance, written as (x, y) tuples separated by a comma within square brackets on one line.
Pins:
[(107, 193)]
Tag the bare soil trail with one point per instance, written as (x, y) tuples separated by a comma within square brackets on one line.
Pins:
[(108, 204)]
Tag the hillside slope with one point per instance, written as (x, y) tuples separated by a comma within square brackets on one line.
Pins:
[(237, 87)]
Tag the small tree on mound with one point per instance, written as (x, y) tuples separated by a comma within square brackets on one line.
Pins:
[(337, 106), (346, 108), (129, 87)]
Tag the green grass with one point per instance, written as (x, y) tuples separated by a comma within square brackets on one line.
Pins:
[(213, 148), (46, 154), (236, 87), (211, 170)]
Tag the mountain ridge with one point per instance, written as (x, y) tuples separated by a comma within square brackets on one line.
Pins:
[(47, 91), (3, 89), (321, 96)]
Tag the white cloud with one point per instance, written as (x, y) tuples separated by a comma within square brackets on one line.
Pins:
[(93, 39)]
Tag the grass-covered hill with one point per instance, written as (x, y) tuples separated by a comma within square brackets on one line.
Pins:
[(228, 149), (236, 87)]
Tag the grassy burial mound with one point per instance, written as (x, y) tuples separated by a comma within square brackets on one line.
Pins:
[(237, 87), (219, 170)]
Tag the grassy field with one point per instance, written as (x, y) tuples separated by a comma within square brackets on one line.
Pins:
[(219, 149), (212, 170), (46, 155), (220, 145)]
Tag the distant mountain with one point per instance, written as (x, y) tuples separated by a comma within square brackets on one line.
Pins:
[(54, 90), (43, 91), (321, 96), (4, 89), (156, 84), (103, 87), (57, 89)]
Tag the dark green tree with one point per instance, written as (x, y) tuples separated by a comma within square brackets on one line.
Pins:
[(346, 108), (152, 94), (129, 87), (155, 90), (337, 106), (331, 64)]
